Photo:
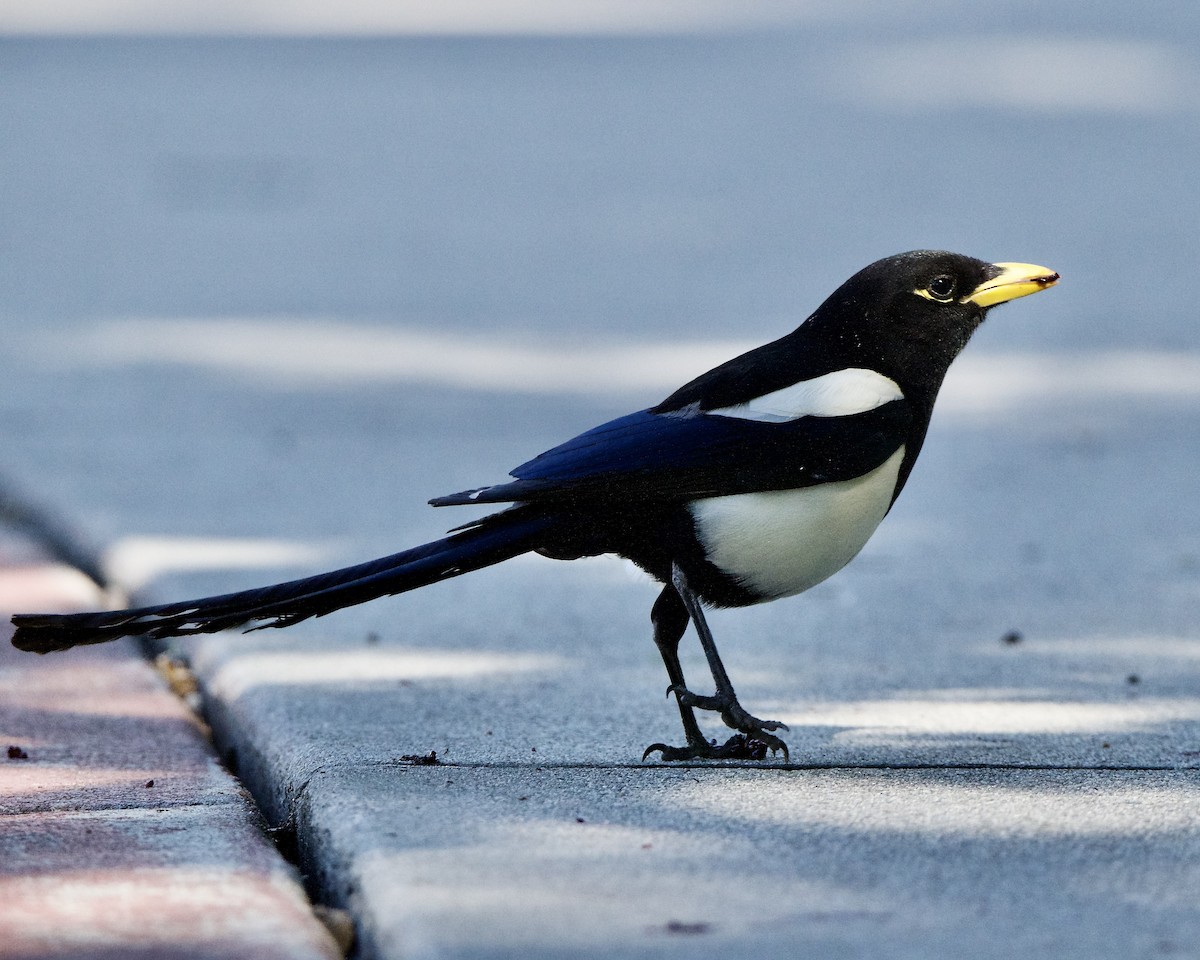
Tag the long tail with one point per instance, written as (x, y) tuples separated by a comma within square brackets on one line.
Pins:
[(495, 538)]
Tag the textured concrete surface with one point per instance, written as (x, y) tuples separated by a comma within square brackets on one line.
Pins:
[(554, 861), (120, 834)]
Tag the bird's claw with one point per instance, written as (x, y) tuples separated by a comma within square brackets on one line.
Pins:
[(738, 747), (732, 712), (753, 740)]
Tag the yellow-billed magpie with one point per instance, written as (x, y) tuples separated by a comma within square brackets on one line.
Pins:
[(753, 482)]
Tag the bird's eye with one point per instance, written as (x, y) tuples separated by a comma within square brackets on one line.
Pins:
[(941, 288)]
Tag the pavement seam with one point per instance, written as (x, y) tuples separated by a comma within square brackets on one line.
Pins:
[(567, 765), (110, 812)]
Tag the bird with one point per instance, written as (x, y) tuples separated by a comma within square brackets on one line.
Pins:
[(755, 481)]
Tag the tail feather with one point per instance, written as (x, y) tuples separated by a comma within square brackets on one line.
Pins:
[(492, 540)]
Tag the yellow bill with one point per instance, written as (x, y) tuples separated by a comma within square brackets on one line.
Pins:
[(1015, 280)]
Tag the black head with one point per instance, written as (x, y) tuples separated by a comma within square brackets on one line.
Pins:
[(907, 317), (910, 315)]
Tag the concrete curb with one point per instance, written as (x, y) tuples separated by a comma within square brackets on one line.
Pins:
[(120, 834)]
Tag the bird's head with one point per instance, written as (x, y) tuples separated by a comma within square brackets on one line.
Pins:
[(911, 314)]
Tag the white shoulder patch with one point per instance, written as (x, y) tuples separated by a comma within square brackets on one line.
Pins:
[(838, 394)]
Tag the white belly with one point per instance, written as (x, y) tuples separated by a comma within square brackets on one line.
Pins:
[(782, 542)]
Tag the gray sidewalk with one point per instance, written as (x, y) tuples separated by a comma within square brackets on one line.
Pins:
[(120, 834)]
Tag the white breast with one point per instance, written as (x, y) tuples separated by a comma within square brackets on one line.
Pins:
[(782, 542)]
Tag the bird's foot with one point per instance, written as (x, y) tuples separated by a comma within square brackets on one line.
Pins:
[(732, 712), (754, 738), (738, 747)]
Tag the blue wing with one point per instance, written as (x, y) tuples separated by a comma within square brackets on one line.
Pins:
[(686, 454)]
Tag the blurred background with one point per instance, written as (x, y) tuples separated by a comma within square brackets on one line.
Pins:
[(284, 270), (274, 272)]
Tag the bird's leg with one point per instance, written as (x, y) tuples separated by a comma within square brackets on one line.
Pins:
[(670, 619), (674, 607), (724, 701)]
